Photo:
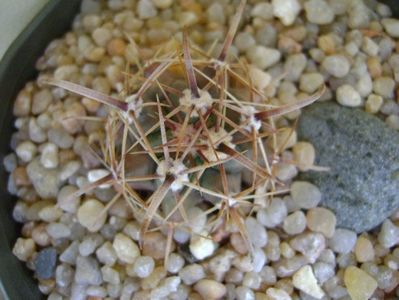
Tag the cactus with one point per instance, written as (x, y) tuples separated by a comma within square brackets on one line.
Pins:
[(199, 119)]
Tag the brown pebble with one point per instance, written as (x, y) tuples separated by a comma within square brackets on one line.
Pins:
[(238, 243), (374, 67), (116, 47), (40, 235), (20, 177), (154, 245)]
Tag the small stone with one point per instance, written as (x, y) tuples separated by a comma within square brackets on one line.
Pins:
[(370, 47), (257, 234), (36, 133), (26, 151), (364, 250), (97, 174), (319, 12), (305, 195), (90, 244), (162, 4), (384, 86), (321, 220), (101, 36), (305, 281), (49, 156), (66, 199), (50, 213), (359, 15), (252, 280), (58, 230), (192, 273), (116, 46), (243, 41), (311, 82), (259, 78), (24, 248), (286, 10), (143, 266), (60, 137), (342, 241), (154, 245), (295, 223), (304, 155), (210, 289), (244, 293), (106, 254), (348, 96), (274, 214), (277, 294), (262, 10), (389, 234), (373, 103), (359, 170), (146, 9), (201, 246), (286, 267), (294, 66), (126, 250), (175, 263), (70, 253), (41, 100), (91, 215), (391, 26), (45, 263), (310, 245), (392, 121), (45, 181), (87, 271), (22, 104), (323, 271), (64, 275), (336, 65), (110, 275), (360, 285), (215, 13), (263, 57)]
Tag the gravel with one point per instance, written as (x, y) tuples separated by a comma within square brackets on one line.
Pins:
[(45, 263)]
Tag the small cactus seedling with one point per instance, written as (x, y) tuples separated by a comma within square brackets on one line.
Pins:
[(195, 122)]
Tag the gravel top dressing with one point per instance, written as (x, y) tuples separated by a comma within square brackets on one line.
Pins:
[(197, 149)]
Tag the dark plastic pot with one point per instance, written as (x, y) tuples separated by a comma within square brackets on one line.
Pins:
[(16, 68)]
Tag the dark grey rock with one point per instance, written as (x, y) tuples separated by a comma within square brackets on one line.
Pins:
[(362, 186), (45, 263)]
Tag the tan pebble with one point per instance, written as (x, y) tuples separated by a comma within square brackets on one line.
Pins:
[(116, 47), (321, 220), (360, 285), (95, 54), (374, 67), (210, 289), (373, 103), (304, 155), (24, 248), (154, 245), (90, 215), (20, 177), (22, 104), (364, 250), (40, 235), (153, 280), (238, 243), (289, 45), (305, 281), (327, 44), (285, 139), (91, 105)]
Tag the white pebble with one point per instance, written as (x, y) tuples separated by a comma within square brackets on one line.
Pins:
[(274, 214), (277, 294), (125, 248), (91, 215), (143, 266), (391, 26), (319, 12), (305, 195), (310, 82), (49, 156), (343, 241), (384, 86), (336, 65), (106, 254), (389, 234), (309, 244), (244, 40), (295, 223), (257, 234), (263, 57), (26, 151), (305, 281), (320, 219), (58, 230), (175, 263), (146, 9), (286, 10), (201, 246), (348, 96), (97, 174)]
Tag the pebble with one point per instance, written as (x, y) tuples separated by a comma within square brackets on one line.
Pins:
[(384, 86), (277, 294), (190, 274), (210, 289), (110, 275), (295, 223), (273, 215), (373, 103), (304, 155), (244, 40), (294, 66), (319, 12), (146, 9), (360, 285), (143, 266), (259, 78), (41, 100), (45, 181), (45, 263), (310, 245), (64, 274), (36, 133), (66, 199), (391, 26), (22, 104), (60, 137), (126, 249), (311, 82), (24, 248), (26, 151), (336, 65), (305, 281), (162, 4), (364, 250), (58, 230), (87, 271), (389, 234), (343, 241), (305, 195), (257, 234), (70, 253), (286, 10), (262, 10), (263, 57), (323, 271), (348, 96), (201, 246), (90, 244), (91, 215), (49, 156), (321, 220), (175, 263), (50, 213), (106, 254), (392, 121), (154, 245)]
